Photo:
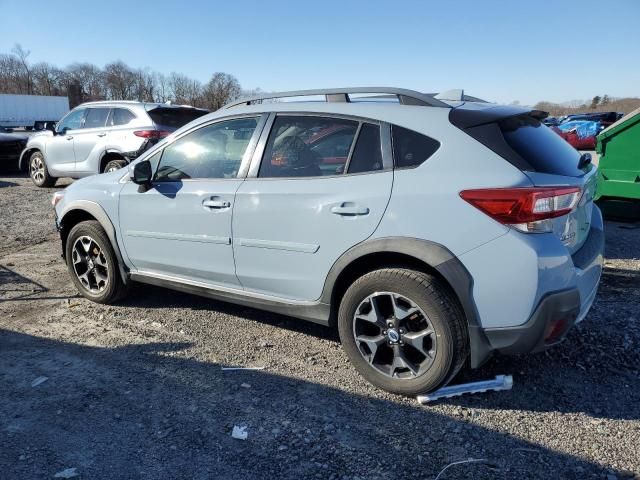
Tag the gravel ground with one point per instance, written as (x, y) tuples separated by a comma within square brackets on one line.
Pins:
[(136, 390)]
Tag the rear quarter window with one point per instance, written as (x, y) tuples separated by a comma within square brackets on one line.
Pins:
[(410, 148)]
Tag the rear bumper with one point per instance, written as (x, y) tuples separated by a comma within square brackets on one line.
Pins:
[(559, 308), (558, 311)]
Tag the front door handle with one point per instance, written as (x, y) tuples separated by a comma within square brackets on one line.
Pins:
[(101, 134), (215, 203), (70, 137), (349, 209)]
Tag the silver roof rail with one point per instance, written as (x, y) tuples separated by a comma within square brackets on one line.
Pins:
[(405, 97)]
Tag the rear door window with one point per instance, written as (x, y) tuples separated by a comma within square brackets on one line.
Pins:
[(307, 146), (410, 148), (367, 154), (96, 118), (120, 116), (174, 117), (540, 146)]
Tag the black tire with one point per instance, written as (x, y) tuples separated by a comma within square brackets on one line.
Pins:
[(114, 165), (442, 311), (39, 172), (114, 288)]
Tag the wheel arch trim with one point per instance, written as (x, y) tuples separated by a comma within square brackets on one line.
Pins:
[(97, 212), (107, 153), (23, 161), (435, 256)]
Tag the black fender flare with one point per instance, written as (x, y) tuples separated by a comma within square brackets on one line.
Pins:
[(436, 256), (97, 212), (23, 161)]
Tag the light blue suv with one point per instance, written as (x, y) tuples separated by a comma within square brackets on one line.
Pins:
[(429, 229)]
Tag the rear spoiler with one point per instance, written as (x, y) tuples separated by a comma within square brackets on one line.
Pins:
[(169, 106), (472, 117)]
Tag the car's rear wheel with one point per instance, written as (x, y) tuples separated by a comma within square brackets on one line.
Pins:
[(403, 330), (92, 263), (39, 172), (114, 165)]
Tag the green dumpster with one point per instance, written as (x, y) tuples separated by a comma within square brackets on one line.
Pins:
[(619, 165)]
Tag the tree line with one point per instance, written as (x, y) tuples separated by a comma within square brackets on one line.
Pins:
[(84, 82), (603, 103)]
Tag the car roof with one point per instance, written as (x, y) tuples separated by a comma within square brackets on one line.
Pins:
[(133, 103)]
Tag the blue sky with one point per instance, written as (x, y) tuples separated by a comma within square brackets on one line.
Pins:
[(499, 50)]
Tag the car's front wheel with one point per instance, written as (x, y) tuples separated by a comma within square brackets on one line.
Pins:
[(403, 330), (38, 171), (92, 263)]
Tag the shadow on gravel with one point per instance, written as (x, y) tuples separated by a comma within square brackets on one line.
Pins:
[(149, 296), (4, 184), (579, 376), (148, 411), (15, 287), (7, 173), (622, 240)]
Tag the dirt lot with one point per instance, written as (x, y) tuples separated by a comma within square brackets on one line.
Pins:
[(136, 390)]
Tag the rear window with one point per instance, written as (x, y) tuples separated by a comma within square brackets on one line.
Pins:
[(543, 149), (174, 118)]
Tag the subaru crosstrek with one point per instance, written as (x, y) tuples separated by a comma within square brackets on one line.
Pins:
[(428, 229), (99, 137)]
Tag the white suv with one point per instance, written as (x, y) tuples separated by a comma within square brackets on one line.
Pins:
[(100, 137)]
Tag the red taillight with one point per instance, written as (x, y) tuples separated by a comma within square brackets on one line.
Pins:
[(151, 133), (513, 206)]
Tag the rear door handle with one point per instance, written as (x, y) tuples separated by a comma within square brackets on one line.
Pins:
[(101, 134), (349, 209), (215, 203), (70, 137)]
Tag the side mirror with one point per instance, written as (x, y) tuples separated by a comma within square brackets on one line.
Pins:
[(142, 173), (51, 126)]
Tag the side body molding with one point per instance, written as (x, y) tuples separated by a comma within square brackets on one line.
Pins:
[(101, 216), (435, 256)]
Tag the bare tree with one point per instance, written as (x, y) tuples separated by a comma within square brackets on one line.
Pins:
[(144, 86), (120, 81), (47, 79), (22, 55), (83, 82), (184, 89), (86, 80), (162, 90), (220, 90), (10, 74)]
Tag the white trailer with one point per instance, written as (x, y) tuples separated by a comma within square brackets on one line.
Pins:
[(31, 111)]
